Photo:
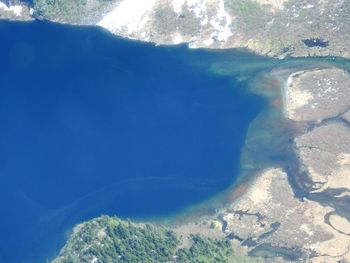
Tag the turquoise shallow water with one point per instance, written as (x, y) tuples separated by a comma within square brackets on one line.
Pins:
[(92, 124)]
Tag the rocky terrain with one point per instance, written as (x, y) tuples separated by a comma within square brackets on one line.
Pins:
[(276, 28), (326, 96)]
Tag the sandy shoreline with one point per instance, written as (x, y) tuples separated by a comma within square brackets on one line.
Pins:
[(266, 198)]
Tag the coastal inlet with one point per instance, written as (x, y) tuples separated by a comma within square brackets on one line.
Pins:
[(92, 124)]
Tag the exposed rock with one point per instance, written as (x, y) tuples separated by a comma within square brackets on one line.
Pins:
[(270, 216), (340, 223), (268, 219), (325, 153), (346, 116), (317, 94)]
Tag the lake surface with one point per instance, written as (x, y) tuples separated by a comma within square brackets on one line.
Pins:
[(92, 124)]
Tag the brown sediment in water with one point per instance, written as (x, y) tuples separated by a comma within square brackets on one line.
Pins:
[(277, 103), (273, 134), (258, 151), (285, 205), (272, 83), (237, 192)]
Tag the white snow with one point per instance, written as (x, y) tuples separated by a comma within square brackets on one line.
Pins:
[(208, 42), (223, 32), (308, 6), (220, 22), (177, 38), (129, 14), (131, 18), (16, 9), (177, 6), (199, 8)]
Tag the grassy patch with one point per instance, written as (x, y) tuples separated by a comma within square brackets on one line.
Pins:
[(249, 13)]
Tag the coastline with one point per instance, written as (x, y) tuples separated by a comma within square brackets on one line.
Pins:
[(212, 217), (256, 199), (218, 25), (316, 199), (285, 204)]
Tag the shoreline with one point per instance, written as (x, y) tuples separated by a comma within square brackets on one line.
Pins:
[(249, 175), (319, 205), (259, 227), (212, 25), (283, 75), (331, 213)]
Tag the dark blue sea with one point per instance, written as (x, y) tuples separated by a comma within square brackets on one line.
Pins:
[(91, 124)]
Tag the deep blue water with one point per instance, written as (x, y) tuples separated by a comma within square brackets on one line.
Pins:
[(91, 124)]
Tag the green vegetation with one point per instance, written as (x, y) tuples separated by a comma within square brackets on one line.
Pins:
[(58, 9), (107, 240), (166, 18), (249, 13), (68, 11), (205, 250), (245, 8), (132, 243)]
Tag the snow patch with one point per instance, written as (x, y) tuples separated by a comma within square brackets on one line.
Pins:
[(132, 18), (16, 9), (177, 6), (199, 8), (208, 42), (131, 15), (221, 23), (275, 4), (177, 38)]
